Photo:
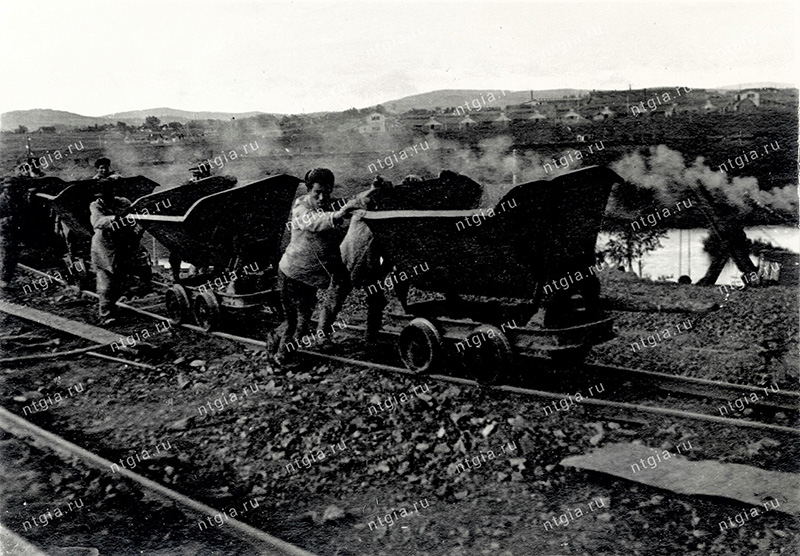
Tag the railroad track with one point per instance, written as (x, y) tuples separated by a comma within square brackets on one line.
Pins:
[(262, 542), (783, 401)]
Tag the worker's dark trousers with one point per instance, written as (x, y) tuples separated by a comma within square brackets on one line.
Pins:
[(338, 290), (335, 296), (298, 300), (109, 289), (9, 250)]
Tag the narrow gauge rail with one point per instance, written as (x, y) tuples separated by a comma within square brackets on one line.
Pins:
[(787, 400), (263, 542), (18, 546)]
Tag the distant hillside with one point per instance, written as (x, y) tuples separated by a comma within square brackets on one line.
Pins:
[(457, 97), (167, 115), (766, 84), (38, 117)]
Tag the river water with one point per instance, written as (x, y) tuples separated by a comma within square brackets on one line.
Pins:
[(682, 252)]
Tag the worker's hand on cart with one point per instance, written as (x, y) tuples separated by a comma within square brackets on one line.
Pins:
[(353, 204), (350, 206)]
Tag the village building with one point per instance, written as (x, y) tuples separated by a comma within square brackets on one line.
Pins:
[(467, 123), (375, 123)]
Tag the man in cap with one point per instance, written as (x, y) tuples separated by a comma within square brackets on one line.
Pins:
[(104, 171), (111, 245), (30, 169)]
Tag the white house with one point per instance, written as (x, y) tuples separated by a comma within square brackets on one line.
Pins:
[(375, 123), (572, 116), (752, 96), (466, 123), (433, 124), (502, 119)]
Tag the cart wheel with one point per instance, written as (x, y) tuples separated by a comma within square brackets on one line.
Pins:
[(571, 308), (420, 346), (491, 356), (206, 311), (177, 301)]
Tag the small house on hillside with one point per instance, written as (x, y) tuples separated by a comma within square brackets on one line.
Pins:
[(502, 120), (466, 123), (752, 96), (433, 125), (572, 117), (375, 123), (747, 101), (605, 114)]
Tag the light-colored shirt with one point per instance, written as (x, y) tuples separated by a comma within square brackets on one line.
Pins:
[(358, 252), (108, 239), (312, 256)]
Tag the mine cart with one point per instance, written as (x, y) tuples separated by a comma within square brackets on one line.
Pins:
[(519, 276), (71, 207), (231, 235), (37, 221)]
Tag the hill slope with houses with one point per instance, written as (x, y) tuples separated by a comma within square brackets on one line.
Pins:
[(599, 106), (453, 109)]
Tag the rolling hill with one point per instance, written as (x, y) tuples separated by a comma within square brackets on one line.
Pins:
[(38, 117), (457, 97), (167, 115)]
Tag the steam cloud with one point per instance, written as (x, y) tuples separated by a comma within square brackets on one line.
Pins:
[(665, 173), (332, 141)]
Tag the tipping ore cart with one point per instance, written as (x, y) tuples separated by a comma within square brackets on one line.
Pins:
[(496, 267), (232, 234), (70, 202)]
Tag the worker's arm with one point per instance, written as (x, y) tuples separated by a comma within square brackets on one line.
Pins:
[(311, 220), (102, 218), (101, 221), (98, 217)]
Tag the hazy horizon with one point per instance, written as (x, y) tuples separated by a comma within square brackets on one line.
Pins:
[(181, 109)]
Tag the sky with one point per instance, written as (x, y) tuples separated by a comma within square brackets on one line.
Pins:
[(100, 57)]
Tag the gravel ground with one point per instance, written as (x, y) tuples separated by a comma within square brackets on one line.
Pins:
[(63, 506), (725, 343), (306, 442)]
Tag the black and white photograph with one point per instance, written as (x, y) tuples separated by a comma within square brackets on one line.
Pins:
[(383, 278)]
